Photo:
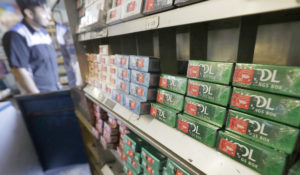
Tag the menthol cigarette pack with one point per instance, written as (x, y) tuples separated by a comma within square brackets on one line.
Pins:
[(144, 63), (295, 170), (211, 71), (129, 170), (173, 83), (164, 114), (131, 9), (137, 105), (273, 134), (153, 158), (172, 168), (170, 99), (133, 164), (274, 107), (123, 85), (133, 141), (276, 79), (144, 79), (199, 130), (254, 155), (123, 74), (208, 112), (118, 96), (154, 6), (209, 92), (148, 170)]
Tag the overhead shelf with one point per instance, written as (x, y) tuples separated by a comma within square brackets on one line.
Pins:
[(190, 154)]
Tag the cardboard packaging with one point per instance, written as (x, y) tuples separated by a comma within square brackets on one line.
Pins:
[(122, 61), (104, 50), (276, 79), (142, 92), (137, 105), (123, 85), (112, 70), (173, 168), (148, 170), (172, 83), (131, 9), (118, 96), (254, 155), (295, 170), (134, 142), (199, 130), (153, 158), (145, 79), (164, 114), (211, 71), (111, 60), (275, 135), (154, 6), (207, 112), (133, 164), (186, 2), (114, 15), (144, 63), (210, 92), (129, 170), (274, 107), (123, 74), (170, 99), (104, 59)]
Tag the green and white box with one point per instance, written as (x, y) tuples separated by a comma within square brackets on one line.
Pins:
[(208, 112), (170, 99), (199, 130), (276, 79), (153, 158), (254, 155), (274, 107), (273, 134), (173, 83), (173, 168), (148, 170), (211, 71), (133, 141), (136, 166), (210, 92), (164, 114)]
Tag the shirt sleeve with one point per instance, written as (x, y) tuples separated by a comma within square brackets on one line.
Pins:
[(16, 50)]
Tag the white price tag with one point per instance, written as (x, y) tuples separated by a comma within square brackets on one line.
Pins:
[(152, 22)]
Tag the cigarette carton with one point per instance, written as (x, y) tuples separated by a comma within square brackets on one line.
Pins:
[(173, 168), (145, 79), (274, 107), (123, 74), (137, 105), (122, 61), (207, 112), (154, 6), (144, 63), (123, 85), (164, 114), (153, 158), (148, 170), (131, 9), (254, 155), (185, 2), (133, 141), (276, 79), (118, 96), (170, 99), (211, 71), (133, 164), (114, 15), (210, 92), (142, 92), (176, 84), (199, 130), (276, 135)]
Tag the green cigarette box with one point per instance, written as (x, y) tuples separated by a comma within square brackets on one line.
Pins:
[(153, 158), (211, 71), (273, 134), (133, 164), (254, 155), (199, 130), (274, 107), (173, 168), (276, 79), (170, 99), (127, 168), (164, 114), (148, 170), (133, 141), (173, 83), (210, 92), (295, 170), (208, 112)]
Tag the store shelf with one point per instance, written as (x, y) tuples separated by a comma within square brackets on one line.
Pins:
[(185, 151), (84, 121)]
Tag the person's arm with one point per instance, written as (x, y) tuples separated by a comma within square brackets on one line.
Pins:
[(25, 80)]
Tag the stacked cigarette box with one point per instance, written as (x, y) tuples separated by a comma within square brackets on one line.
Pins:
[(153, 161), (154, 6), (170, 99)]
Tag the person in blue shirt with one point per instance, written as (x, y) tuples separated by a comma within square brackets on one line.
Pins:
[(30, 51)]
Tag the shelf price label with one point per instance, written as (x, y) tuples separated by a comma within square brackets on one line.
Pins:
[(152, 22)]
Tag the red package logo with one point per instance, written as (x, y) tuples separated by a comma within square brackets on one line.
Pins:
[(119, 2), (160, 98), (128, 142), (193, 71), (123, 86), (178, 172), (119, 99), (124, 157), (112, 61), (149, 169), (141, 78), (193, 89), (227, 147), (113, 13), (149, 160), (123, 61), (243, 75), (149, 5), (163, 82), (240, 101), (140, 91), (112, 70), (132, 104), (103, 60), (140, 63), (124, 73), (191, 109), (104, 69), (133, 163), (238, 125), (130, 153), (131, 6), (153, 111), (183, 126), (130, 172)]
